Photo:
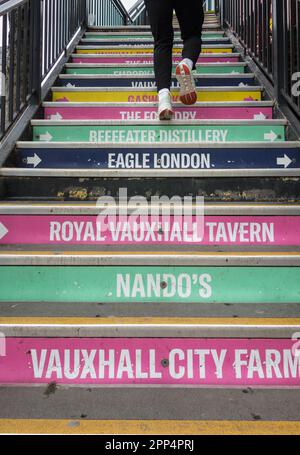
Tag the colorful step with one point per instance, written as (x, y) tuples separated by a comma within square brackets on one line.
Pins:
[(203, 80), (90, 277), (169, 230), (144, 361), (148, 58), (146, 28), (200, 111), (145, 35), (143, 49), (157, 157), (130, 95), (141, 132), (147, 41), (138, 70)]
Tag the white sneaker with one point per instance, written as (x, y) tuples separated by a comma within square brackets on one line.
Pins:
[(184, 75), (165, 110)]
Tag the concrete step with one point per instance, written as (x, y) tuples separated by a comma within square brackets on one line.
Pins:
[(251, 185), (134, 95), (144, 81), (76, 312), (254, 110), (58, 409)]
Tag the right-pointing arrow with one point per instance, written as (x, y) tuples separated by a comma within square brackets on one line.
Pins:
[(270, 136), (35, 160), (56, 116), (259, 116), (3, 231), (284, 161), (47, 137)]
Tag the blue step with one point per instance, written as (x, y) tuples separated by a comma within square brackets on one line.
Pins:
[(218, 156), (204, 80)]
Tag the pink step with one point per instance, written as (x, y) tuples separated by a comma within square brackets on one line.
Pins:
[(147, 60), (126, 113)]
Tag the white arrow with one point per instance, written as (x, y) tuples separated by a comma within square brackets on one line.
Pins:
[(35, 160), (284, 161), (47, 137), (270, 136), (243, 85), (259, 116), (57, 116), (3, 231), (69, 85)]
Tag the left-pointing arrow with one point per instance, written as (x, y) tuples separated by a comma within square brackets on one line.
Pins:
[(35, 160), (3, 231)]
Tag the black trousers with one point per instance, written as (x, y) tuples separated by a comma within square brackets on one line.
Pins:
[(190, 17)]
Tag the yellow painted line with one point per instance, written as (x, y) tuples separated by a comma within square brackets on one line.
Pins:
[(149, 253), (149, 96), (149, 427), (147, 50), (149, 321)]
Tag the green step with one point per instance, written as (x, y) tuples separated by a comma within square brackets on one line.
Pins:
[(175, 132), (150, 284), (142, 35), (121, 70)]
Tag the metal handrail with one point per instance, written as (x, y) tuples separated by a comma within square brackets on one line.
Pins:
[(136, 10), (121, 8), (36, 39), (8, 5)]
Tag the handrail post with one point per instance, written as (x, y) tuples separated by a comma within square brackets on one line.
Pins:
[(278, 49), (37, 48)]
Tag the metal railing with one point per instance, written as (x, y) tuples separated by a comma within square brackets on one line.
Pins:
[(106, 13), (269, 30), (211, 5), (35, 36), (138, 14), (113, 13)]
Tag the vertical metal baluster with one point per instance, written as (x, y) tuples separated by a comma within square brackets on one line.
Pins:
[(4, 72), (18, 60), (12, 30)]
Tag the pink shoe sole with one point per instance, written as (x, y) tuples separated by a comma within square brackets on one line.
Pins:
[(166, 115)]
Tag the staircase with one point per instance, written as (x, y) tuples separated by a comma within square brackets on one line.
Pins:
[(159, 335)]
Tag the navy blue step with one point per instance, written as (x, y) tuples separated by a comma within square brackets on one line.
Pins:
[(153, 156), (203, 80)]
